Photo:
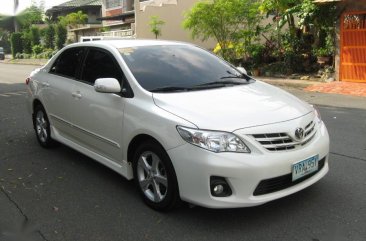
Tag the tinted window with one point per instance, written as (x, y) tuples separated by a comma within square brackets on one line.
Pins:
[(100, 64), (176, 65), (68, 63)]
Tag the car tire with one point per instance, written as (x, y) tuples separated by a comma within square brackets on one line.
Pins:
[(42, 128), (155, 177)]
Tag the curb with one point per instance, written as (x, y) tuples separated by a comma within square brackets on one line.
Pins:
[(24, 62), (299, 84)]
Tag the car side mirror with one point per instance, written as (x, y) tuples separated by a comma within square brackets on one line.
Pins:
[(107, 85), (242, 70)]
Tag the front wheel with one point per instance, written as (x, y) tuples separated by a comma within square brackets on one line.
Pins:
[(155, 177)]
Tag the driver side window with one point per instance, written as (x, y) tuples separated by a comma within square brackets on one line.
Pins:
[(100, 64)]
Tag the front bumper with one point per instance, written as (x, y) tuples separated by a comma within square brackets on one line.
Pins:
[(243, 172)]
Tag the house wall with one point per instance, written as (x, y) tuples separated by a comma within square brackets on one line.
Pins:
[(170, 11)]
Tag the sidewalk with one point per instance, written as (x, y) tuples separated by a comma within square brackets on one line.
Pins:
[(336, 94), (344, 88), (336, 87)]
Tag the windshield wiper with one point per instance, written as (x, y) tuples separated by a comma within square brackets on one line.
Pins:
[(209, 85), (222, 83), (170, 89), (236, 77)]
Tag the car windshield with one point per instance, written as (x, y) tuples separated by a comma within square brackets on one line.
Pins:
[(173, 68)]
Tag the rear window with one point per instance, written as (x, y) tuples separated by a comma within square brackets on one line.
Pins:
[(68, 63)]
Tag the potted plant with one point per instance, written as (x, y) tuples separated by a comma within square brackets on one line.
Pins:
[(323, 55)]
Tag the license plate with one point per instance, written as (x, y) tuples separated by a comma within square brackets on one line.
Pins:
[(305, 167)]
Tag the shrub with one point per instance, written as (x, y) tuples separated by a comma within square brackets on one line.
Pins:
[(49, 36), (16, 44), (27, 41), (34, 35), (61, 35), (18, 56), (26, 56), (37, 49)]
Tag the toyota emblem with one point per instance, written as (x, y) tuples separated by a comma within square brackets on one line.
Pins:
[(299, 133)]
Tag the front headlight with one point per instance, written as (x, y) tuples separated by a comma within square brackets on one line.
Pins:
[(317, 113), (213, 140)]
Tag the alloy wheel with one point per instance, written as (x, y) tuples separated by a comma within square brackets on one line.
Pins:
[(152, 176), (41, 126)]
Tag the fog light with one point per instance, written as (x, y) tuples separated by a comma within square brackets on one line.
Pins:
[(219, 187)]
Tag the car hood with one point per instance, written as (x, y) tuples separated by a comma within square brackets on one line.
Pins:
[(233, 108)]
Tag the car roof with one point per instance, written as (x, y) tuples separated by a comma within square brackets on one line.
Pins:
[(127, 43)]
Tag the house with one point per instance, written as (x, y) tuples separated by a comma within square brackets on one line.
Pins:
[(172, 13), (118, 18), (129, 18), (350, 57), (93, 8)]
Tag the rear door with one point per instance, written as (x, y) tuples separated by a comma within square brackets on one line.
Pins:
[(98, 117), (60, 80)]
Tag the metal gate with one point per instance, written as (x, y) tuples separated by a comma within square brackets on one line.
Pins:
[(353, 47)]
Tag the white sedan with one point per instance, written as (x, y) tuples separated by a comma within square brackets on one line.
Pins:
[(181, 122)]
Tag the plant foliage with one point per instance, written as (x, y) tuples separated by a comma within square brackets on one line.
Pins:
[(229, 22)]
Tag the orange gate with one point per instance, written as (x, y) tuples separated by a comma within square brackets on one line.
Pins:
[(353, 47)]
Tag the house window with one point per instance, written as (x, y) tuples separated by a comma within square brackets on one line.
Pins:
[(114, 3)]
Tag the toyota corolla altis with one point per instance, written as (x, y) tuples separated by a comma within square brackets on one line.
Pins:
[(181, 122)]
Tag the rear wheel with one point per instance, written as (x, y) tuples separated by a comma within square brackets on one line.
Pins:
[(155, 177), (42, 127)]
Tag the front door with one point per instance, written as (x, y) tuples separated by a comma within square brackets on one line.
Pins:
[(98, 117), (353, 47)]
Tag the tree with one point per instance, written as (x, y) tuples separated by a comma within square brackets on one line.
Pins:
[(27, 41), (31, 15), (49, 36), (4, 40), (73, 19), (22, 20), (16, 43), (155, 26), (227, 21), (283, 9), (34, 35), (61, 35)]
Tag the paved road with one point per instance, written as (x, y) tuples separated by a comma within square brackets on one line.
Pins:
[(60, 194)]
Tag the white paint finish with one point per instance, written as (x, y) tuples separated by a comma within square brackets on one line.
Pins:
[(102, 125), (107, 85), (234, 108), (101, 122), (243, 171)]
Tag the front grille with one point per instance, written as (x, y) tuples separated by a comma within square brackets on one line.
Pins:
[(282, 182), (282, 141)]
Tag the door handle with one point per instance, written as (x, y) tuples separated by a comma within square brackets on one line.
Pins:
[(77, 95)]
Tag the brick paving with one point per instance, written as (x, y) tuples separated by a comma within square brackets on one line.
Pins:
[(339, 87)]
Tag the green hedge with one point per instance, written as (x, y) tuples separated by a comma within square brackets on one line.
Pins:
[(16, 43)]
